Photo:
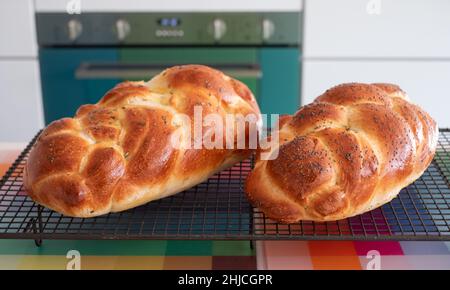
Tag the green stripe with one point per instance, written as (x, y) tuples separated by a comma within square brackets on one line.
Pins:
[(189, 248), (232, 248)]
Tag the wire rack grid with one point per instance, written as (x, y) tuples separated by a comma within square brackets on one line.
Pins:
[(218, 210)]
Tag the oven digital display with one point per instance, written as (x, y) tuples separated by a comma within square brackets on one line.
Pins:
[(169, 22)]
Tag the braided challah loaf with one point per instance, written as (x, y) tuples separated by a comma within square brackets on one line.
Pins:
[(350, 151), (118, 153)]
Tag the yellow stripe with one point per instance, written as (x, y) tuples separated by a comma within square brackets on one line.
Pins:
[(56, 262), (42, 262), (122, 262)]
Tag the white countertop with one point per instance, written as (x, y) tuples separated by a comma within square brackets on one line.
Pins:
[(7, 146)]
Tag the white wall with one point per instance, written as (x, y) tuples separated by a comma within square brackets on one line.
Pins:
[(403, 28), (426, 82), (17, 29), (20, 100), (21, 113), (407, 43), (170, 5)]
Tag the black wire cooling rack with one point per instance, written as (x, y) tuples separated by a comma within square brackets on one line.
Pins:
[(218, 210)]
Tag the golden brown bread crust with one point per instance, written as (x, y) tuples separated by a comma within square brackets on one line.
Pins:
[(118, 154), (350, 151)]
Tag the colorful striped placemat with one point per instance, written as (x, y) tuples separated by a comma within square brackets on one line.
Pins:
[(354, 255), (157, 255)]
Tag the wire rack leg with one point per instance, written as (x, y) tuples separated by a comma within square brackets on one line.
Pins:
[(38, 242), (36, 226)]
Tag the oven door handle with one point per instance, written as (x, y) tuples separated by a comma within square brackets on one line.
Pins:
[(88, 70)]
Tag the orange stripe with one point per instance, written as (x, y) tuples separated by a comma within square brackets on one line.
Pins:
[(3, 168), (334, 255), (336, 263), (332, 248)]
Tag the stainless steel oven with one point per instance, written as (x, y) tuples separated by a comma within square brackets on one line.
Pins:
[(83, 56)]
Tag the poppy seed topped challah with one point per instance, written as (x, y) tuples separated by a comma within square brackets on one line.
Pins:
[(350, 151)]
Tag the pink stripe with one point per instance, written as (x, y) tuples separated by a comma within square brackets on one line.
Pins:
[(385, 248)]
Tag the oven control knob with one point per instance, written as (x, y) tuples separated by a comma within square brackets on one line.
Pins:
[(268, 29), (122, 29), (219, 28), (74, 29)]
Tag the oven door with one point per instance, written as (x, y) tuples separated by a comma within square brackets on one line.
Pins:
[(75, 76), (62, 91)]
